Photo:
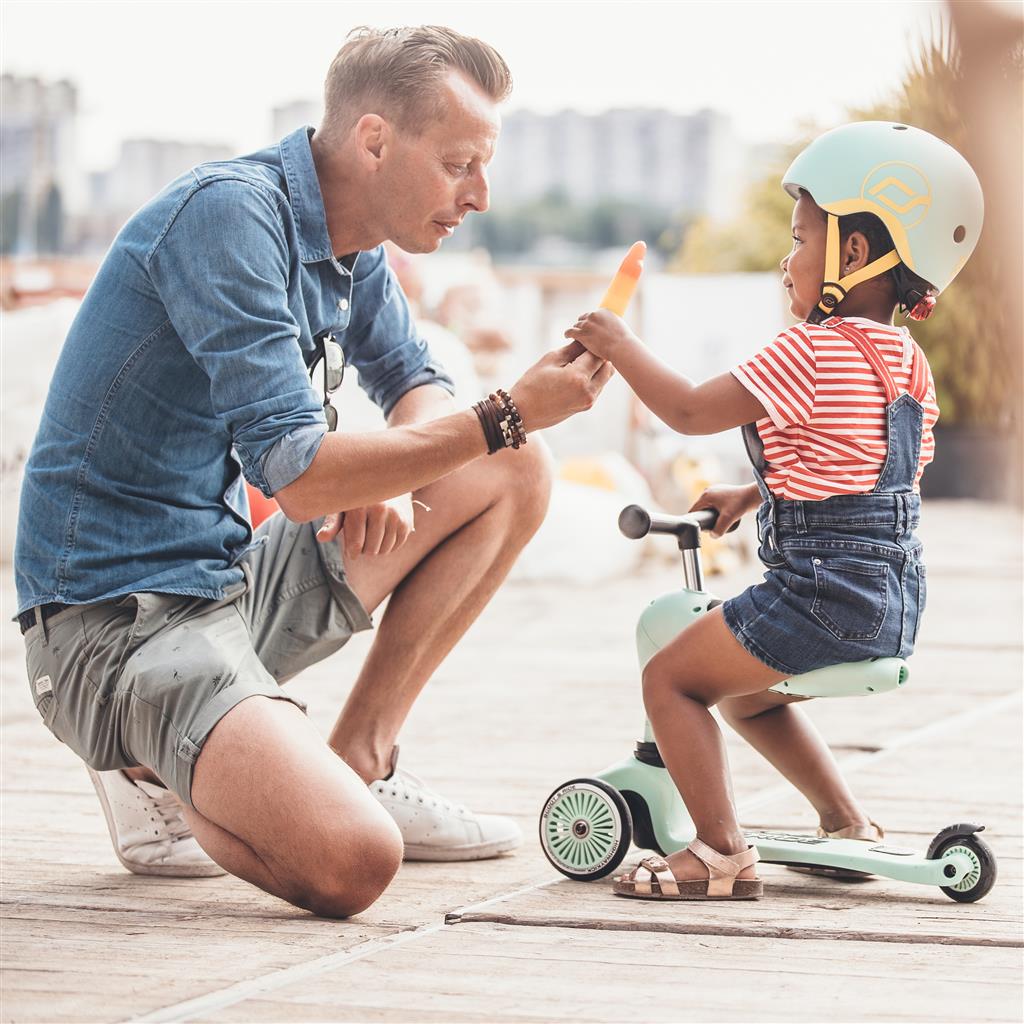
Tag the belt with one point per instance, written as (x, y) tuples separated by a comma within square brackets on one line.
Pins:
[(27, 619)]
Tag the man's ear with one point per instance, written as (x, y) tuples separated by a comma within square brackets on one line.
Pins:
[(372, 133), (856, 252)]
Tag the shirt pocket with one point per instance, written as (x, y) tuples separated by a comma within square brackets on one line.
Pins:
[(851, 596)]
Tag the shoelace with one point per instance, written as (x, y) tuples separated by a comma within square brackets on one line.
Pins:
[(414, 783), (167, 806)]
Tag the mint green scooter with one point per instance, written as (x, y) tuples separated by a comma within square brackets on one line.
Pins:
[(587, 824)]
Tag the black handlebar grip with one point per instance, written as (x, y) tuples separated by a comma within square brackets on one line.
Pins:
[(636, 522)]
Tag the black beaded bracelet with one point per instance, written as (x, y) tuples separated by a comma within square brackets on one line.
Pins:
[(511, 414), (500, 421)]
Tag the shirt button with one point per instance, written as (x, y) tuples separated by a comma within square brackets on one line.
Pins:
[(343, 304)]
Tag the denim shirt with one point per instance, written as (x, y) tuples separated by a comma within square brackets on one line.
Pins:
[(187, 367)]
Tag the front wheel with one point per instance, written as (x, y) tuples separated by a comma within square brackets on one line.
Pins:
[(982, 875), (585, 829)]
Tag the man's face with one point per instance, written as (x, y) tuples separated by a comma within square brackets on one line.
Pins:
[(431, 181), (804, 267)]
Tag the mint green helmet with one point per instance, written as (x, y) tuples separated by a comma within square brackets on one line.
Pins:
[(924, 192)]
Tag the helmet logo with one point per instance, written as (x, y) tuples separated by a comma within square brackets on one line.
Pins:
[(901, 190)]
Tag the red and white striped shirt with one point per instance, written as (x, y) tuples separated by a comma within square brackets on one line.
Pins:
[(825, 432)]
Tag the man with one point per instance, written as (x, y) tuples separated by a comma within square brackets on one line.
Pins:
[(158, 628)]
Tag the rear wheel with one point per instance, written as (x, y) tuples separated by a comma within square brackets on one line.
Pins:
[(585, 829), (982, 874)]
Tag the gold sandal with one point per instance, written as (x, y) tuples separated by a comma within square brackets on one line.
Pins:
[(721, 883), (858, 832)]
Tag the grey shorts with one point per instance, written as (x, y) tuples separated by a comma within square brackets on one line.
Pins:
[(142, 680)]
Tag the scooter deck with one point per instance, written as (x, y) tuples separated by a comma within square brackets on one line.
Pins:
[(673, 830)]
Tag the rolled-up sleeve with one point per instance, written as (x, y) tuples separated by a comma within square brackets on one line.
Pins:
[(222, 270), (382, 341)]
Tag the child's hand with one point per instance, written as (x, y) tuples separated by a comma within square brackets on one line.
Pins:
[(731, 501), (601, 332)]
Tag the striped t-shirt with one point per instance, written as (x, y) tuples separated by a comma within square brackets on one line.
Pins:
[(825, 432)]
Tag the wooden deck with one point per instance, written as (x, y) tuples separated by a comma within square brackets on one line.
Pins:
[(510, 939)]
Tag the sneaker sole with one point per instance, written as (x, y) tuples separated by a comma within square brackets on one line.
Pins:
[(478, 851), (211, 870)]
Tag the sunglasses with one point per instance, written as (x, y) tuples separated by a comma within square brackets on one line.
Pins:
[(334, 373)]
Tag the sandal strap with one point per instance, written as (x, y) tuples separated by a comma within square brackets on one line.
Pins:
[(722, 868), (855, 832), (656, 868)]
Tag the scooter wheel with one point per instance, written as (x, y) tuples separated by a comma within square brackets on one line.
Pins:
[(982, 876), (585, 829)]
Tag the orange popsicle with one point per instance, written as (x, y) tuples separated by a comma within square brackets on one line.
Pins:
[(624, 283)]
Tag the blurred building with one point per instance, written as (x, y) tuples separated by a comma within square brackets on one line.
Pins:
[(289, 116), (41, 181), (689, 163), (143, 168)]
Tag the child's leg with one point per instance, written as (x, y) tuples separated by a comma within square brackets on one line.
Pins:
[(702, 666), (784, 736)]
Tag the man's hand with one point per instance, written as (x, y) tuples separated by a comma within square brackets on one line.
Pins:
[(374, 530), (602, 332), (565, 381), (731, 501)]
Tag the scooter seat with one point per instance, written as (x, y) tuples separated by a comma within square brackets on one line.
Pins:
[(852, 679)]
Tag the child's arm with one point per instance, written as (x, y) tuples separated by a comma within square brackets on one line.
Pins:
[(709, 408)]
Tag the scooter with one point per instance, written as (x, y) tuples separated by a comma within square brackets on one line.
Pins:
[(588, 824)]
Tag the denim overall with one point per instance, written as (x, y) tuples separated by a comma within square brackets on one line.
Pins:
[(844, 579)]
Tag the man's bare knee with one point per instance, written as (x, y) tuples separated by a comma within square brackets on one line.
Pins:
[(347, 884), (528, 473)]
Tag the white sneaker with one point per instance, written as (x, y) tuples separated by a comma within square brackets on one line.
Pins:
[(149, 832), (437, 829)]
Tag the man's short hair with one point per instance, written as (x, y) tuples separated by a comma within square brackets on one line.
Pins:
[(398, 73)]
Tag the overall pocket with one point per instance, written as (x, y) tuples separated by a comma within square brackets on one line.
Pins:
[(851, 596), (922, 596)]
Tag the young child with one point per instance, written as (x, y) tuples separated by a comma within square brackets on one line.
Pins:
[(837, 415)]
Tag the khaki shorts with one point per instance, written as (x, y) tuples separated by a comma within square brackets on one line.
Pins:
[(144, 679)]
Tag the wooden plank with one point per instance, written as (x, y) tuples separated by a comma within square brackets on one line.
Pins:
[(496, 973)]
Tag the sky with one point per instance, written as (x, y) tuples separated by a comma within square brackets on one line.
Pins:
[(211, 71)]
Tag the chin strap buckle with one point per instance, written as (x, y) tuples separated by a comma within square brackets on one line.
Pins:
[(923, 309)]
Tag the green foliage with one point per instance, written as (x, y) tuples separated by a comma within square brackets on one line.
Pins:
[(514, 231), (756, 241), (969, 341)]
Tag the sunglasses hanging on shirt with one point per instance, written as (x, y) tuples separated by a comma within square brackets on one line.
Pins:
[(333, 358)]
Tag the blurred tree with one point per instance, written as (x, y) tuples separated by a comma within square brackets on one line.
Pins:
[(972, 330), (10, 221), (516, 231), (50, 222), (755, 241)]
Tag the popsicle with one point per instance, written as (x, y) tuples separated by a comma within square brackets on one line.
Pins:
[(624, 283)]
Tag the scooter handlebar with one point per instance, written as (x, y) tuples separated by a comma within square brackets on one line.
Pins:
[(636, 522)]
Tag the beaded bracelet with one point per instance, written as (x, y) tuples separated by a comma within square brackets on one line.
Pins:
[(500, 421)]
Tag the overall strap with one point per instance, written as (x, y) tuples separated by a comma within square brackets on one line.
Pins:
[(869, 352), (918, 377)]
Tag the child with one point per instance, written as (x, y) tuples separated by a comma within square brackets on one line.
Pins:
[(837, 414)]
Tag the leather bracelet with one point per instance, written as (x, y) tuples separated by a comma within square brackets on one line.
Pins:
[(487, 412), (500, 421)]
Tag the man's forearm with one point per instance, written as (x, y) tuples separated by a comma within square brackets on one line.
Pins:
[(355, 470), (422, 404)]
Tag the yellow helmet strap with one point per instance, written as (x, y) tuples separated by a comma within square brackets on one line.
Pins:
[(835, 288)]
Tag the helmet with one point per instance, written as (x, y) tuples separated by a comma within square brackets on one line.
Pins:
[(924, 192)]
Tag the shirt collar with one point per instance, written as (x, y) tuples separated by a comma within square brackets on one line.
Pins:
[(305, 198)]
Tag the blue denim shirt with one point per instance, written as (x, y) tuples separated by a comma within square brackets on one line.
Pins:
[(187, 367)]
